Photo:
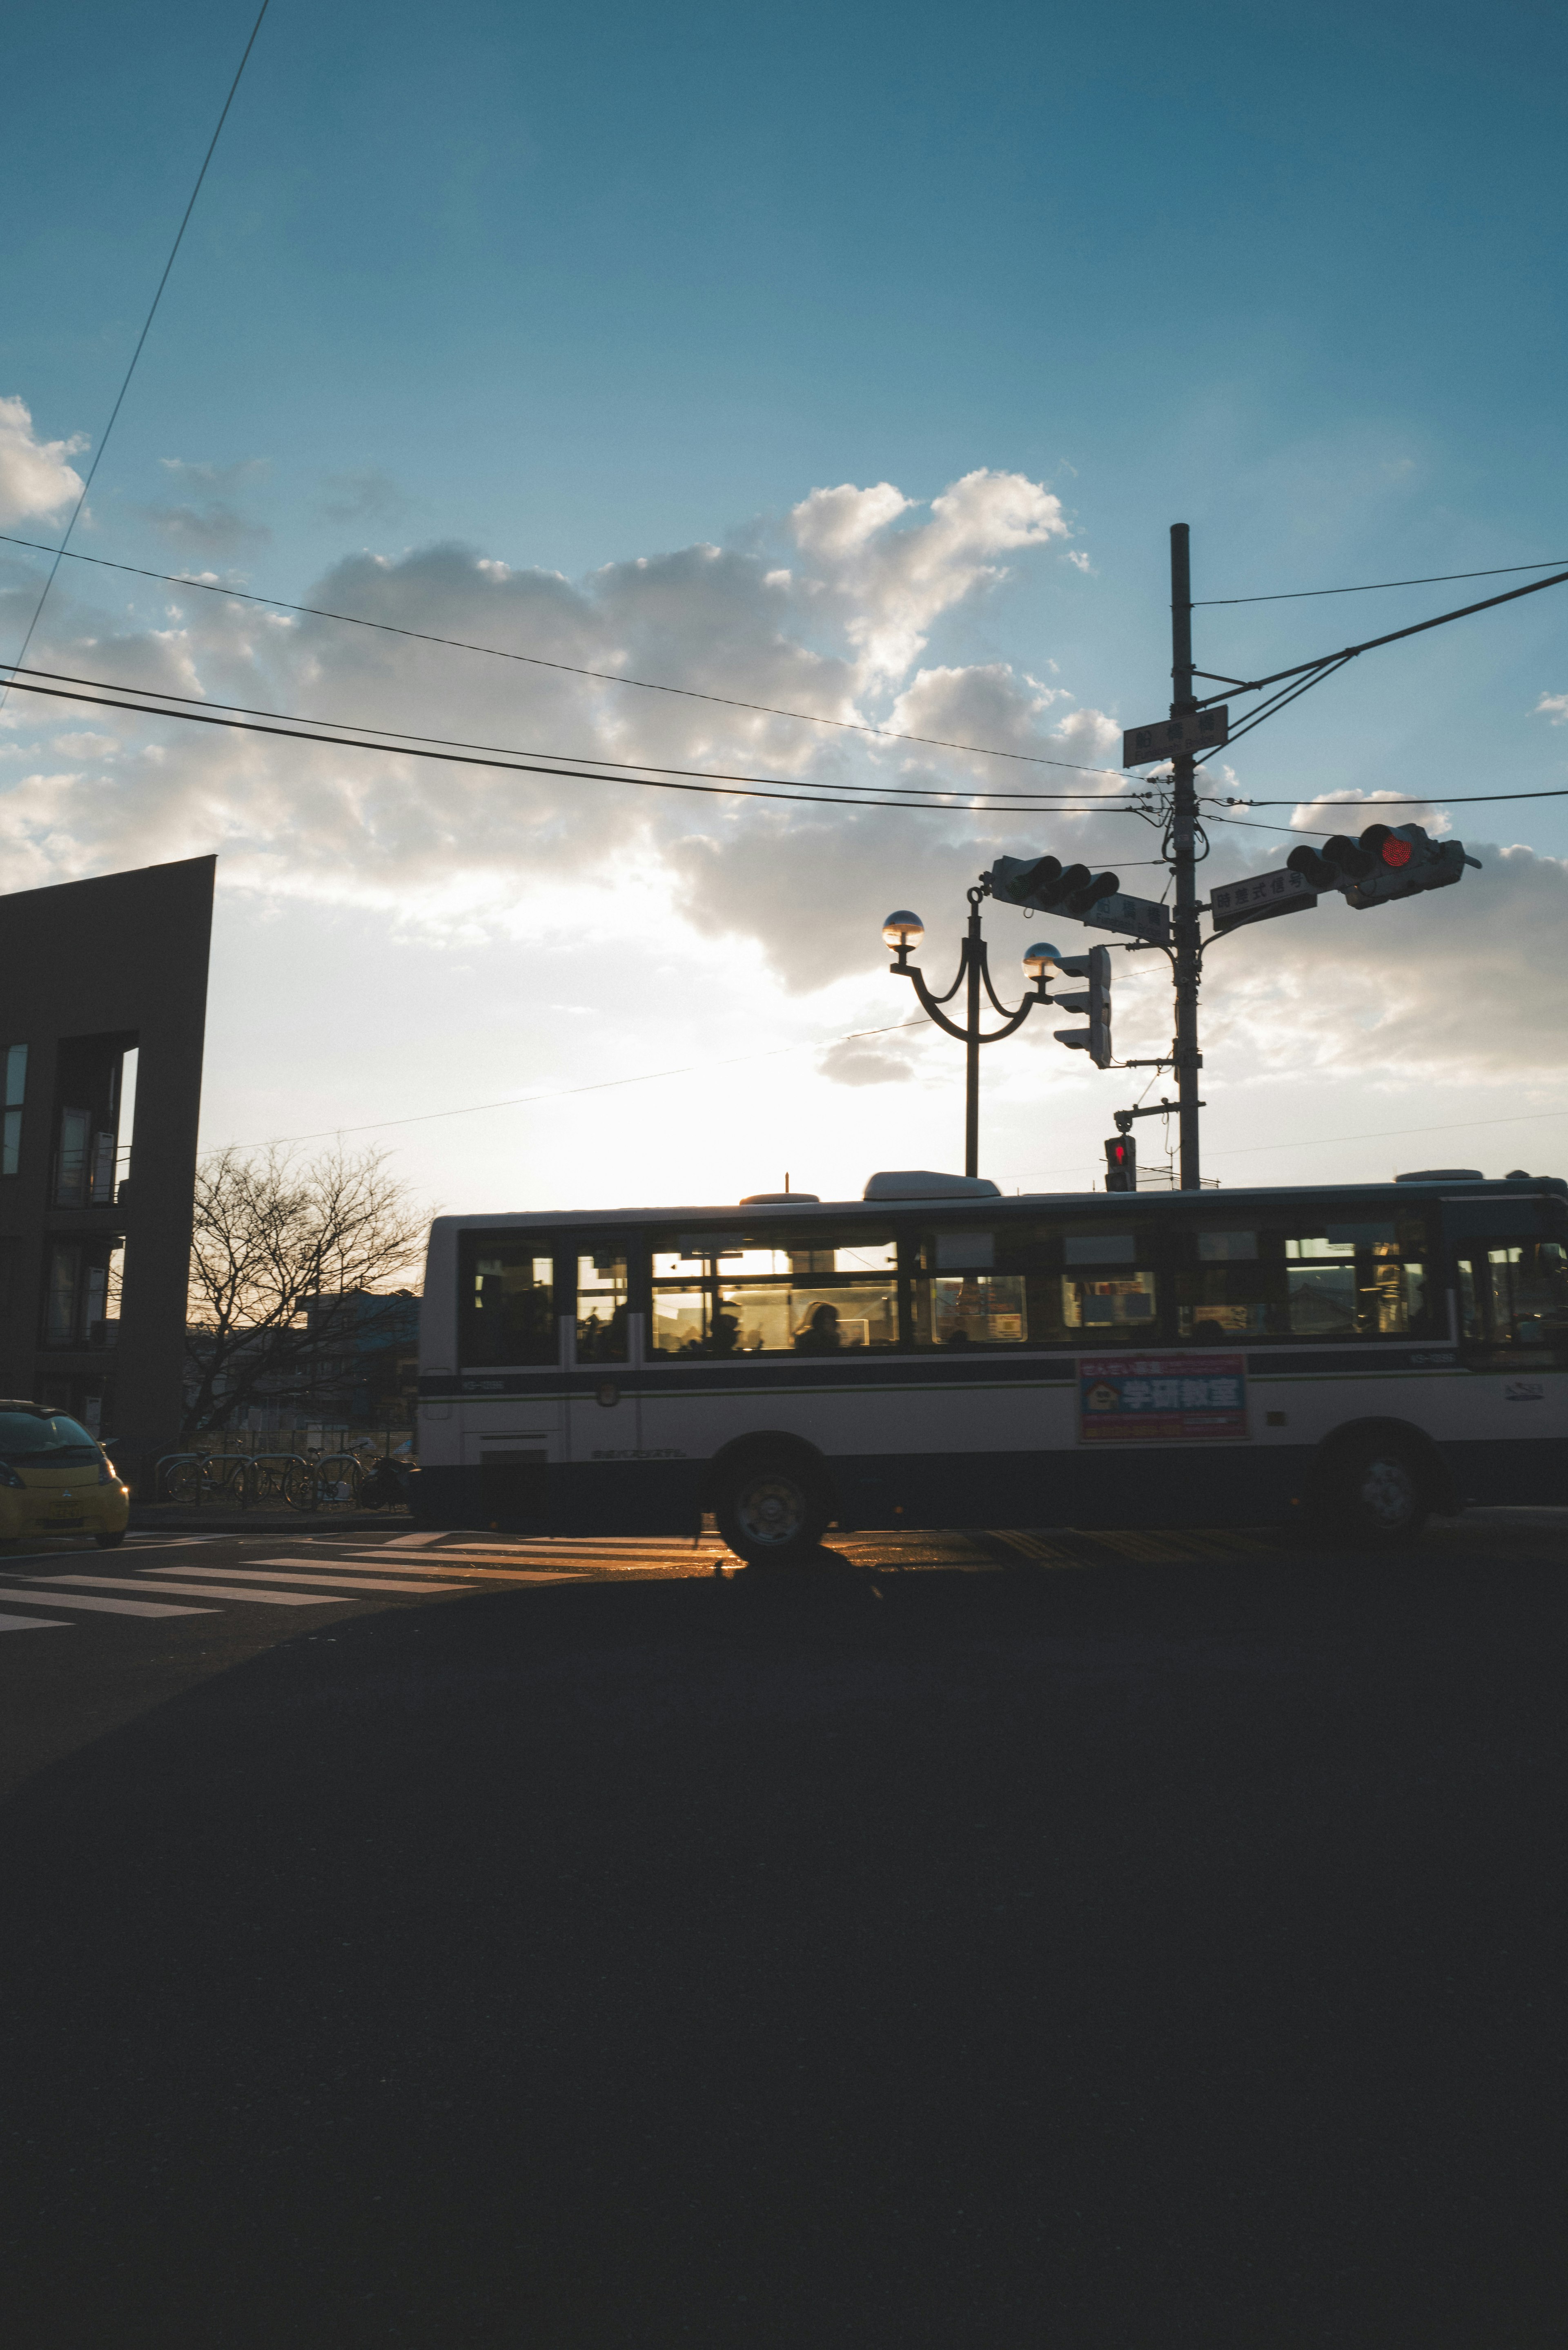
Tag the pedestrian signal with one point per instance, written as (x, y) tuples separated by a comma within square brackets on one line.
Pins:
[(1121, 1163)]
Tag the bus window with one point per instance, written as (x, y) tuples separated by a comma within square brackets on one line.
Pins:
[(1108, 1295), (812, 1292), (1515, 1294), (1360, 1279), (506, 1301), (1230, 1283), (601, 1307), (966, 1289)]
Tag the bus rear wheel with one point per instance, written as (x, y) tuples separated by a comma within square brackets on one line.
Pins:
[(773, 1512), (1379, 1494)]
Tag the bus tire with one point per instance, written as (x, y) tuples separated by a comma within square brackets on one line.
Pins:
[(1377, 1491), (773, 1510)]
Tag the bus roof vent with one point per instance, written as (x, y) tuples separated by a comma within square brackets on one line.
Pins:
[(1443, 1175), (781, 1199), (917, 1183)]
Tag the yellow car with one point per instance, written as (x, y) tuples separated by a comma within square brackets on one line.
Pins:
[(56, 1478)]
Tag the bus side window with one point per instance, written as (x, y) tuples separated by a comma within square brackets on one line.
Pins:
[(1515, 1294), (817, 1290), (1361, 1278), (506, 1303), (964, 1289), (602, 1334)]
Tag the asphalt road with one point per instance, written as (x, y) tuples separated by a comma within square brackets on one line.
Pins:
[(1111, 1940)]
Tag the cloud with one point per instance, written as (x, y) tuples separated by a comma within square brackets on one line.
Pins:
[(868, 1061), (222, 479), (35, 480), (199, 532), (367, 496), (1554, 706), (806, 615)]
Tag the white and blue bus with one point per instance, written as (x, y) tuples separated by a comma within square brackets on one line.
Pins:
[(935, 1355)]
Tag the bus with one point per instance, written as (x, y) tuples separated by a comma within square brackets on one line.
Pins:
[(937, 1354)]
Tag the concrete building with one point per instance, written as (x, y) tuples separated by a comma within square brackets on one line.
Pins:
[(103, 998)]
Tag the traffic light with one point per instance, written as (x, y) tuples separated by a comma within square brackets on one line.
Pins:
[(1387, 861), (1095, 1000), (1048, 886), (1121, 1163)]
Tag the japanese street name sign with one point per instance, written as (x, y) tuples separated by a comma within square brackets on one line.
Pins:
[(1200, 730), (1141, 917), (1266, 894)]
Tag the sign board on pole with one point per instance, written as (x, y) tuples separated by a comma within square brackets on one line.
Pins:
[(1257, 900), (1201, 730), (1141, 918)]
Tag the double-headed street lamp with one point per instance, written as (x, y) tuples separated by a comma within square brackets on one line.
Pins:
[(903, 931)]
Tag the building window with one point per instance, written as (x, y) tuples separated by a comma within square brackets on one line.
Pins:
[(60, 1297), (15, 1088)]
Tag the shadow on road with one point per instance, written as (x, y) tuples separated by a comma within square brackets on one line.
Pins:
[(850, 1959)]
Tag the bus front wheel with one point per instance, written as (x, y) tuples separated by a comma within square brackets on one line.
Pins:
[(1378, 1493), (773, 1512)]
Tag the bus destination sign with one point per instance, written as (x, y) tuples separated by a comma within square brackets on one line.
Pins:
[(1162, 1399)]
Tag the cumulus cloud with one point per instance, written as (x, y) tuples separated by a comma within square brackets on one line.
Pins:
[(814, 617), (35, 480), (1554, 706)]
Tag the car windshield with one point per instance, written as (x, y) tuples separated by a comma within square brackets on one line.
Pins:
[(48, 1440)]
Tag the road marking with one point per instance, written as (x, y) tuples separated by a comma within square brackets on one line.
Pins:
[(108, 1607), (414, 1542), (1046, 1553), (458, 1576), (185, 1590), (33, 1624), (342, 1582)]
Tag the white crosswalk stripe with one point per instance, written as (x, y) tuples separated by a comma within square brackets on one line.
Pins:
[(106, 1607), (322, 1574), (34, 1624), (185, 1590)]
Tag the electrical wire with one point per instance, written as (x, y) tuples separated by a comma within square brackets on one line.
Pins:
[(568, 668), (396, 738), (1370, 587), (519, 763), (1415, 628), (563, 1093), (1427, 799), (60, 551)]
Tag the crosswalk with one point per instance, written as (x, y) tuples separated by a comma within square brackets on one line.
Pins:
[(416, 1566), (184, 1580)]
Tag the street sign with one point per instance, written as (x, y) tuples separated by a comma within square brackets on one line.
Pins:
[(1259, 899), (1141, 918), (1202, 730)]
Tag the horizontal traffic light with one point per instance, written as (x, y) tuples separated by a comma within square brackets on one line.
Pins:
[(1387, 861), (1048, 886)]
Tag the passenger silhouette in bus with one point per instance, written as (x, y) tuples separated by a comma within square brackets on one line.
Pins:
[(822, 1334), (725, 1332)]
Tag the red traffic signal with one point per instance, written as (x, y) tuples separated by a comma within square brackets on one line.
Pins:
[(1387, 861), (1121, 1163)]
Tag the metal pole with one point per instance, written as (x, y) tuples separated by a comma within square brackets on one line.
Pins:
[(1184, 923), (973, 951)]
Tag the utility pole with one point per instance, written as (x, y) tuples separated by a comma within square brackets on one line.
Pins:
[(1187, 953)]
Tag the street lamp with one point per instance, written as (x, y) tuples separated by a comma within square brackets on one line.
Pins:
[(901, 932)]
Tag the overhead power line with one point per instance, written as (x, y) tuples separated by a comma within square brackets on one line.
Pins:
[(85, 694), (1370, 587), (568, 668), (563, 1093), (60, 551), (1348, 652)]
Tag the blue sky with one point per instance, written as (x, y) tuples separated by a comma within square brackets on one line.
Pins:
[(572, 289)]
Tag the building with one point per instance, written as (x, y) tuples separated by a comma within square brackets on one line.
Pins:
[(352, 1362), (103, 999)]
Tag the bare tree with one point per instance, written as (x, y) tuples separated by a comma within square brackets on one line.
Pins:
[(279, 1256)]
